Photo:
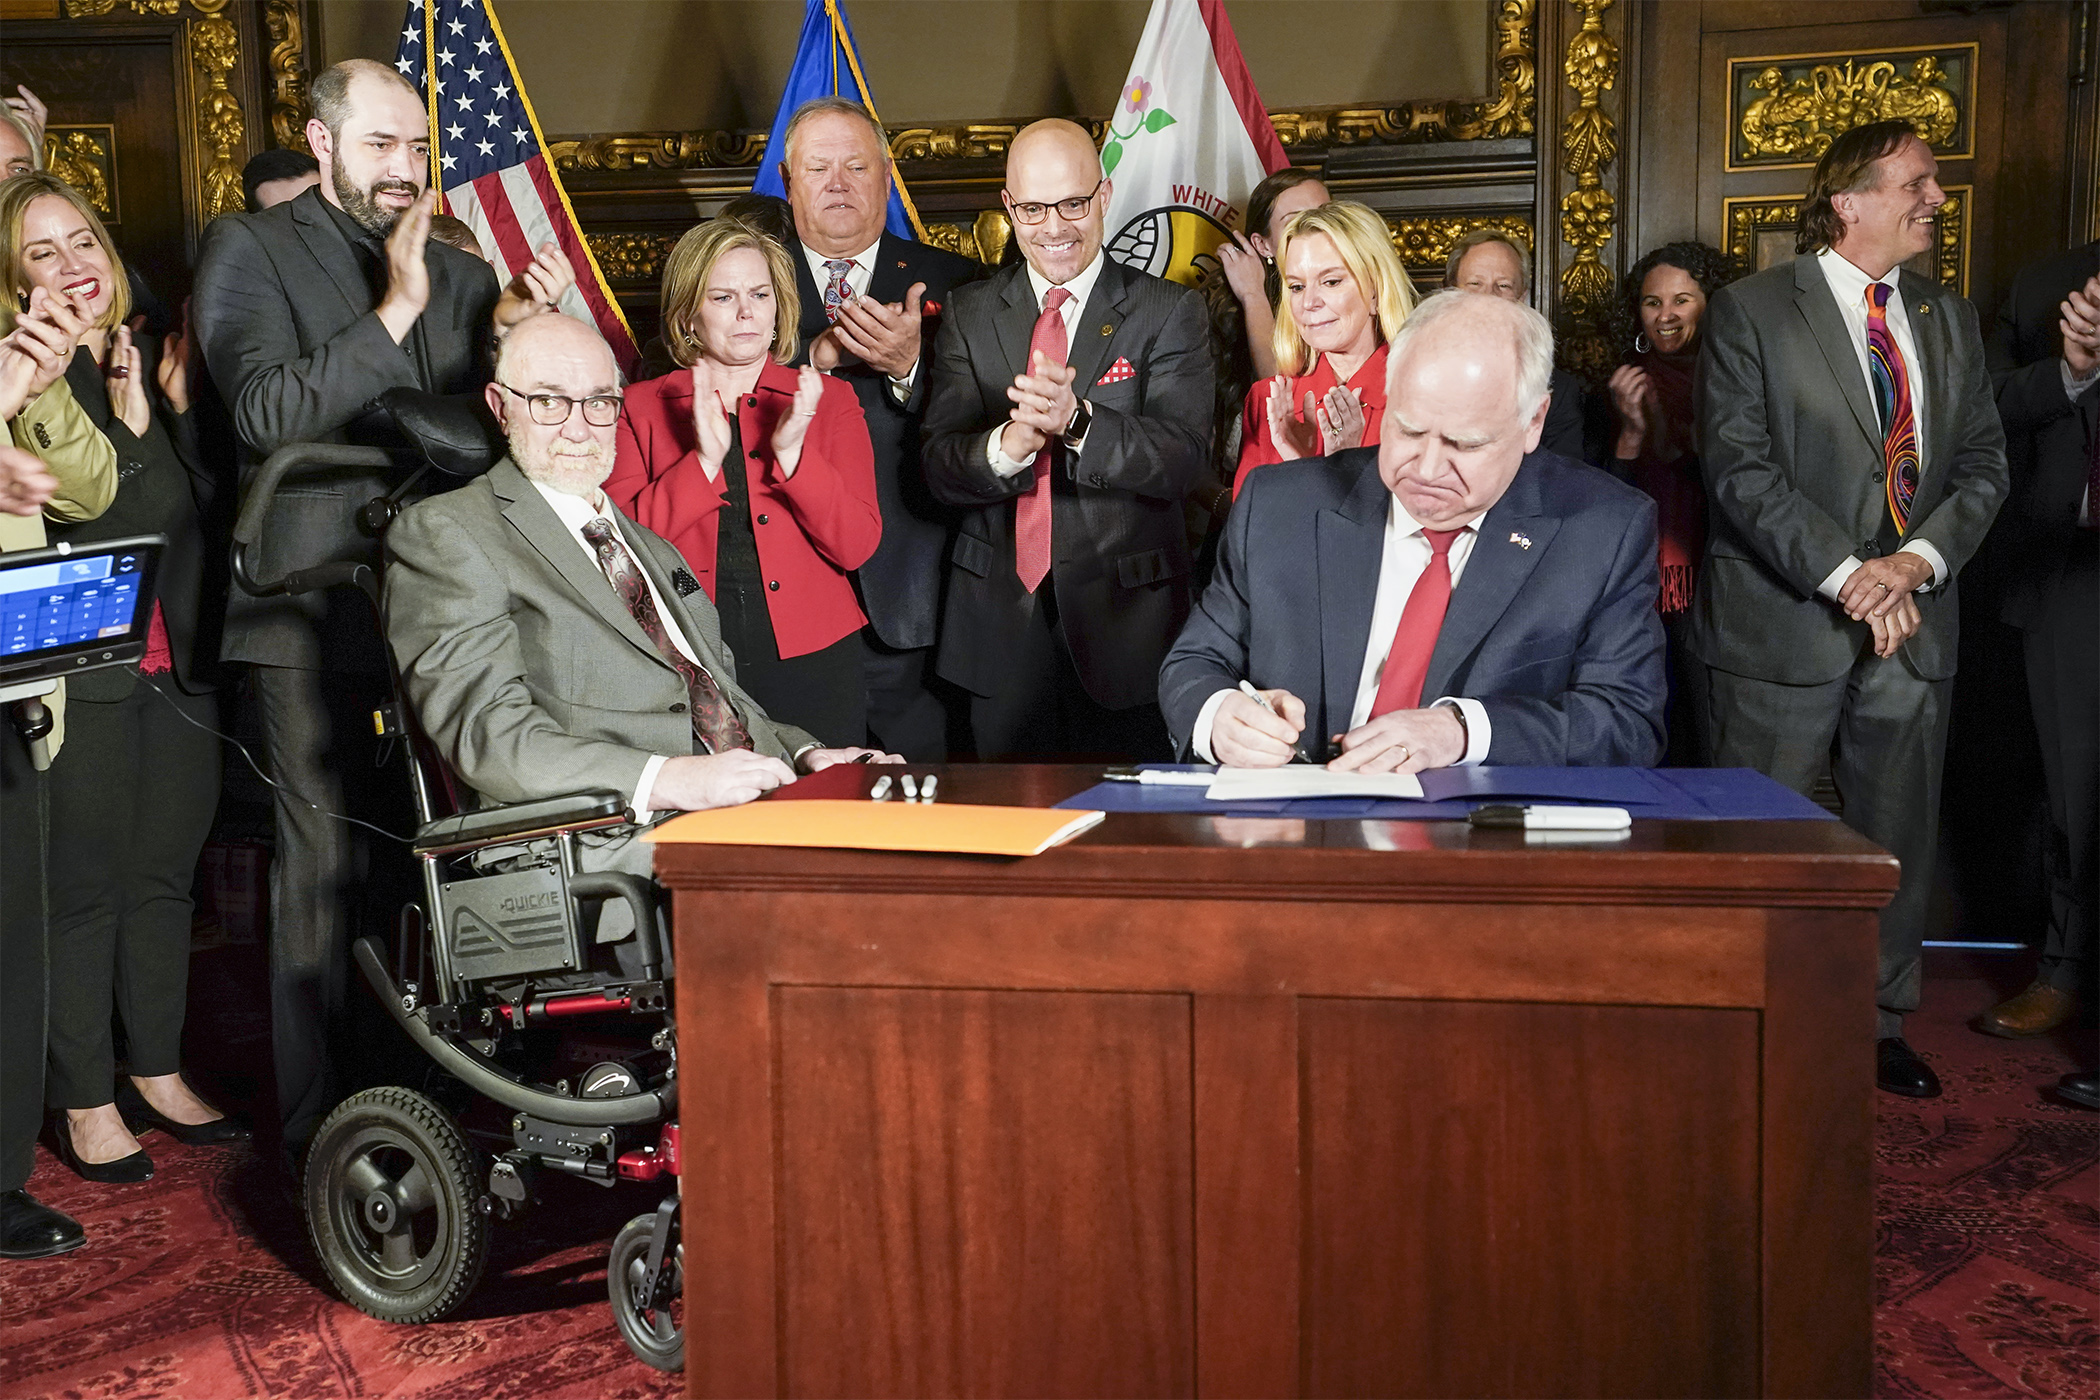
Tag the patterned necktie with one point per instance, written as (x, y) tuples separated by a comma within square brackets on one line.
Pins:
[(1032, 511), (1899, 417), (837, 292), (1414, 640), (715, 722)]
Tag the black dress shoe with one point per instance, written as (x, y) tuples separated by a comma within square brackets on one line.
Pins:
[(140, 1115), (2081, 1089), (125, 1171), (1898, 1071), (29, 1229)]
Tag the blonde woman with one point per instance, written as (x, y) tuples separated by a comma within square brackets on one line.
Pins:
[(1345, 294), (760, 474)]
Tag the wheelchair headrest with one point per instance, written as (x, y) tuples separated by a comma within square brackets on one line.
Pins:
[(455, 433)]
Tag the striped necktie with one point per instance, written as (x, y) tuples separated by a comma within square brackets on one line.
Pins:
[(1892, 400)]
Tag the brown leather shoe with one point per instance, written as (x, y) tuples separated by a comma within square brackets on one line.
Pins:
[(2037, 1011)]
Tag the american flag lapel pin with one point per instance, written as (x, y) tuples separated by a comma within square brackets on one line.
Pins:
[(1520, 540)]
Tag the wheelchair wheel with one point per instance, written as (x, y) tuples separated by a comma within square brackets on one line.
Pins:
[(652, 1329), (391, 1192)]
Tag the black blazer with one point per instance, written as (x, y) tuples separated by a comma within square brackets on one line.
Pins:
[(2047, 436), (287, 322), (1791, 448), (1552, 626), (900, 586), (162, 489), (1120, 555)]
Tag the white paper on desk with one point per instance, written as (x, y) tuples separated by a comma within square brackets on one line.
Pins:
[(1304, 780)]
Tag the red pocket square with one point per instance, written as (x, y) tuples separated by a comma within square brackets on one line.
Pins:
[(1117, 373)]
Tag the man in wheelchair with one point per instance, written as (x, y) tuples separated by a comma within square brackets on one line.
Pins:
[(548, 645)]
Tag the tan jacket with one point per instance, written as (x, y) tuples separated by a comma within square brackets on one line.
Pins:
[(55, 427)]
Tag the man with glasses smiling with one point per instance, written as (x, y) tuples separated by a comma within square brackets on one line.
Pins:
[(1069, 414), (306, 314), (551, 645)]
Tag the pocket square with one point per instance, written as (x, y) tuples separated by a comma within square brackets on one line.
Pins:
[(1117, 373), (685, 583)]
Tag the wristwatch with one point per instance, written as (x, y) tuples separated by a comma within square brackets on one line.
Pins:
[(1082, 419)]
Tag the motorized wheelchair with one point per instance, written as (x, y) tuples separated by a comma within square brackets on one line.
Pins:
[(492, 976)]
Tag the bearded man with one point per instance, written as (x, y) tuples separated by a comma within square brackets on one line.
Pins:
[(307, 313)]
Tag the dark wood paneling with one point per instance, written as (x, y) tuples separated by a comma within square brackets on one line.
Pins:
[(126, 77), (984, 1193), (1497, 1202)]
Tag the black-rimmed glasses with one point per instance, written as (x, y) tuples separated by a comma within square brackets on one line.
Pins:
[(1068, 209), (553, 410)]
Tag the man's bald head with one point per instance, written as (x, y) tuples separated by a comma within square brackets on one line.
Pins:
[(1467, 382), (1053, 163), (552, 356)]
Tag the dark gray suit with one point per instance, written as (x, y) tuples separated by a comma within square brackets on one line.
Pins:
[(1791, 446), (900, 585), (1560, 642), (1118, 588), (2053, 596), (284, 308), (523, 663)]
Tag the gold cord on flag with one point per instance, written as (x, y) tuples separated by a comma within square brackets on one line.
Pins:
[(840, 39)]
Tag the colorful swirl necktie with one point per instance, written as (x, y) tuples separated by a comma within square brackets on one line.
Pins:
[(838, 291), (1899, 416)]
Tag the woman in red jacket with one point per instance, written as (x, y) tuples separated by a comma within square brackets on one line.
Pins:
[(761, 475), (1345, 294)]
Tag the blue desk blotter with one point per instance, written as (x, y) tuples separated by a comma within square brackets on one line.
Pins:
[(1650, 794)]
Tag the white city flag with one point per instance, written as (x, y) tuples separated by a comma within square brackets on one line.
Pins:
[(1187, 144)]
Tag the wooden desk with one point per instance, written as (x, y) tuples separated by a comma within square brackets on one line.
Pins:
[(1256, 1107)]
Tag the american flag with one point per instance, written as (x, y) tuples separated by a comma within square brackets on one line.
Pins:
[(490, 156)]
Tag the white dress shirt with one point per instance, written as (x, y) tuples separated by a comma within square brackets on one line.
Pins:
[(575, 513), (1848, 287), (857, 278), (1405, 558), (1081, 288)]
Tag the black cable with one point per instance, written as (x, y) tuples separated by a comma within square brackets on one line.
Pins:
[(243, 749)]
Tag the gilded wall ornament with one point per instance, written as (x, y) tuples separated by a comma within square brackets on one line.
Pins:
[(1760, 232), (985, 240), (288, 105), (215, 48), (1424, 243), (1588, 142), (81, 156), (631, 257), (1787, 111)]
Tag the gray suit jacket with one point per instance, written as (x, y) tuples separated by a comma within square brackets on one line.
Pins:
[(289, 331), (524, 666), (1552, 626), (1792, 451), (1119, 550)]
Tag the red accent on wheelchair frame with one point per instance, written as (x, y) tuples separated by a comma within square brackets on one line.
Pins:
[(667, 1148), (582, 1004), (648, 1163)]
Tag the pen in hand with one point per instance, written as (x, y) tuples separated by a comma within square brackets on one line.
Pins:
[(1247, 689)]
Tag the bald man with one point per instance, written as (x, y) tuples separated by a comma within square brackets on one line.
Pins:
[(1069, 414), (307, 313)]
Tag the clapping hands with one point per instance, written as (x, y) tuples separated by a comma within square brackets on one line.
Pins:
[(1332, 422)]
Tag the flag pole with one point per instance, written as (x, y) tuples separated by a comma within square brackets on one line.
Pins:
[(841, 39)]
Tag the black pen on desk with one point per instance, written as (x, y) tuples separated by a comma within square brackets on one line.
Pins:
[(868, 757), (1247, 689)]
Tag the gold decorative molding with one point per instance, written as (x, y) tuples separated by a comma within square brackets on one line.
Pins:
[(1786, 110), (985, 240), (95, 9), (1424, 243), (631, 257), (1511, 111), (215, 50), (289, 108), (1588, 143), (1746, 218), (83, 157)]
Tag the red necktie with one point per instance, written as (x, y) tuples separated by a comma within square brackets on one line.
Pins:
[(1032, 511), (715, 720), (1407, 664)]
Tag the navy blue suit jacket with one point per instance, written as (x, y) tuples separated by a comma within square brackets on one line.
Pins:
[(1559, 641)]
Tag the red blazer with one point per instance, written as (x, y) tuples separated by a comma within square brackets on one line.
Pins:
[(812, 528), (1256, 450)]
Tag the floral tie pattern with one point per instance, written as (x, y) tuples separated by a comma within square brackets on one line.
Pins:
[(715, 720), (838, 291)]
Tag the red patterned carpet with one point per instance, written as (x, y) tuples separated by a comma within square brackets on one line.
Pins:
[(201, 1283)]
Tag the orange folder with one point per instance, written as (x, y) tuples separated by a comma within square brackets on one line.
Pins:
[(881, 826)]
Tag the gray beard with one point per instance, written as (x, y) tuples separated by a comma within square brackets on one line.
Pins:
[(572, 476)]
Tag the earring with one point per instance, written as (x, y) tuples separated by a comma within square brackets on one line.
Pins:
[(1640, 343)]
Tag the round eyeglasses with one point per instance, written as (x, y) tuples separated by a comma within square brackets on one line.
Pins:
[(553, 410), (1070, 210)]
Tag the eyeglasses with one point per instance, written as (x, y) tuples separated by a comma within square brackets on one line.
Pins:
[(1069, 209), (553, 410)]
